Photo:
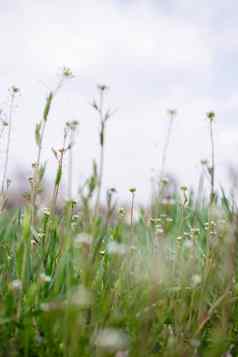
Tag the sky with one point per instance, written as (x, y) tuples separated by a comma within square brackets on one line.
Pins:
[(154, 55)]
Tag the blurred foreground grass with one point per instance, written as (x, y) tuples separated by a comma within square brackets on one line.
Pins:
[(164, 286)]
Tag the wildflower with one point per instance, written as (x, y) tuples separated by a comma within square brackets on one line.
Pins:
[(195, 343), (16, 285), (67, 72), (44, 278), (52, 306), (41, 235), (116, 248), (34, 165), (72, 125), (81, 297), (83, 239), (75, 217), (188, 244), (168, 201), (213, 223), (172, 112), (94, 105), (196, 280), (155, 220), (122, 211), (33, 243), (195, 230), (113, 190), (211, 116), (102, 87), (122, 354), (183, 188), (111, 339), (132, 190), (14, 90), (46, 211), (159, 229), (164, 181)]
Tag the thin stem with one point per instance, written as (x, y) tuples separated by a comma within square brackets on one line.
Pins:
[(101, 159), (165, 150), (172, 114), (36, 180), (59, 157), (5, 169), (57, 183), (100, 177), (70, 167), (103, 118), (212, 174), (132, 207)]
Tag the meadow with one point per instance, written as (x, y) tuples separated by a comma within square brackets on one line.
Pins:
[(91, 278)]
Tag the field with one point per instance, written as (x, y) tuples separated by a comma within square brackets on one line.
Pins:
[(89, 278)]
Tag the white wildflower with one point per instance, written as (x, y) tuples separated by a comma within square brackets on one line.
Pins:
[(116, 248), (188, 243), (44, 278), (196, 280), (111, 339), (81, 297), (83, 239), (16, 285)]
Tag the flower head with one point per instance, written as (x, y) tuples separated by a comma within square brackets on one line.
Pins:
[(211, 116)]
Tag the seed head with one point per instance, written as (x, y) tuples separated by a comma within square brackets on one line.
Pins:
[(172, 113), (67, 72), (183, 188), (113, 190), (72, 125), (211, 116), (75, 217), (46, 211), (14, 90), (122, 211), (164, 181), (102, 87)]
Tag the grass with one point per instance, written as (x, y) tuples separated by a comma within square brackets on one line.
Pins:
[(76, 283)]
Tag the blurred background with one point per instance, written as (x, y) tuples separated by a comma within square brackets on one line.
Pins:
[(154, 56)]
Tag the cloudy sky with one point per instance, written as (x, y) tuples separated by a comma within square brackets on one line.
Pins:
[(154, 55)]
